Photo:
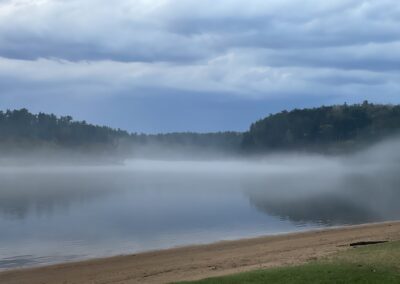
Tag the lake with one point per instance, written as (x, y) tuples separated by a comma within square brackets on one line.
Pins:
[(51, 214)]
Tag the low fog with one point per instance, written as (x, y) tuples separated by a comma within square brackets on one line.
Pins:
[(300, 187)]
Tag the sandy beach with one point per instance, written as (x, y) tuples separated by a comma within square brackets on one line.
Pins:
[(202, 261)]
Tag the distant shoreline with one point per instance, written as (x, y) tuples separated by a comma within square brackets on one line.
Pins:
[(201, 261)]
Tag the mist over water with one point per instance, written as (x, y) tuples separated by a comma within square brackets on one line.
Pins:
[(59, 213)]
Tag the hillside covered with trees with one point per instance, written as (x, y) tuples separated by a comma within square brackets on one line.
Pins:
[(337, 127), (22, 128), (22, 132)]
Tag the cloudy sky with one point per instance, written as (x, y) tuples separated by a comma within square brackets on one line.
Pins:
[(179, 65)]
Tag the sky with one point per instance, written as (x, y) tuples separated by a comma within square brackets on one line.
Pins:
[(188, 65)]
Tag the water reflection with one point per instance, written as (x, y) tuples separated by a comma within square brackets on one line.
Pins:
[(26, 191), (58, 214), (61, 214), (349, 197)]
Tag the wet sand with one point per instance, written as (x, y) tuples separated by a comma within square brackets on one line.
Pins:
[(201, 261)]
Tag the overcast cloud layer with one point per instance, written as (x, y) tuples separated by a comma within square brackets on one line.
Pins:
[(176, 65)]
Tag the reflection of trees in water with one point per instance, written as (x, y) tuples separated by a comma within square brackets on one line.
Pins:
[(45, 193), (329, 210), (346, 199)]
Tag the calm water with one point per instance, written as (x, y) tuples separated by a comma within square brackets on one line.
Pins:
[(55, 214)]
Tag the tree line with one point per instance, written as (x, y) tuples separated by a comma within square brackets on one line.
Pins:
[(339, 126), (22, 130)]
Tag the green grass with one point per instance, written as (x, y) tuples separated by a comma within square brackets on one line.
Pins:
[(369, 264)]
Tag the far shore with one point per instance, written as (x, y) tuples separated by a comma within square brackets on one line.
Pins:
[(202, 261)]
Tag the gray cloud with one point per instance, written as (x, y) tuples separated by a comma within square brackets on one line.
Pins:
[(176, 30), (278, 52)]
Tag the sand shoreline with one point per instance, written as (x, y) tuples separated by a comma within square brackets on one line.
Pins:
[(200, 261)]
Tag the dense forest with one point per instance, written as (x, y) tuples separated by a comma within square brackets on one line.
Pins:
[(337, 127), (22, 132), (21, 126)]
